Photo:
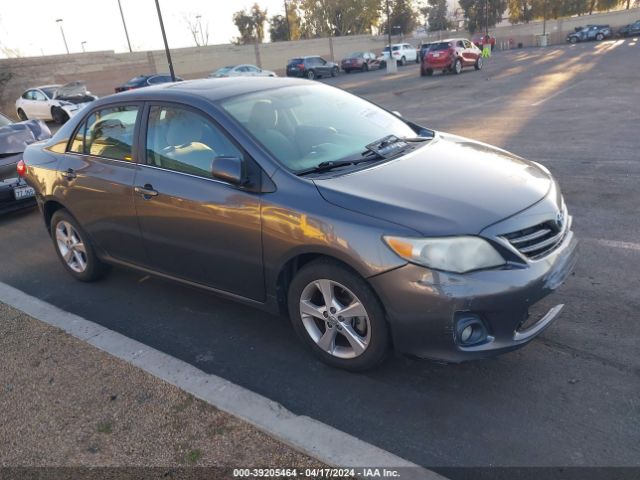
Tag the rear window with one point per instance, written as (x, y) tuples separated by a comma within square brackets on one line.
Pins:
[(136, 80), (396, 48), (295, 61), (440, 46)]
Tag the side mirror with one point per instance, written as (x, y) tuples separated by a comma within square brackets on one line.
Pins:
[(228, 169)]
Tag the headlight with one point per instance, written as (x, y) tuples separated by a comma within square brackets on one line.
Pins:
[(451, 254)]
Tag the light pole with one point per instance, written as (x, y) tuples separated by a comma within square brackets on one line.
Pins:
[(82, 44), (392, 66), (198, 17), (486, 17), (124, 24), (166, 45), (59, 22)]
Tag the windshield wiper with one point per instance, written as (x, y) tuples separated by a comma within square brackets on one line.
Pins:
[(330, 165)]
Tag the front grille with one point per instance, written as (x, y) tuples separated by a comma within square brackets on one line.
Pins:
[(540, 240)]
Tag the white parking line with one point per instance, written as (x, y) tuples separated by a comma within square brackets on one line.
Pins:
[(540, 102), (615, 244), (318, 440)]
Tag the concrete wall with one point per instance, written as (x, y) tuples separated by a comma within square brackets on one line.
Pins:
[(102, 71)]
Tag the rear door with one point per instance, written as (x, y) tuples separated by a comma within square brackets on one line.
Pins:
[(98, 170), (196, 227)]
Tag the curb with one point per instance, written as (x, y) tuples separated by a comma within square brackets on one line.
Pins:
[(311, 437)]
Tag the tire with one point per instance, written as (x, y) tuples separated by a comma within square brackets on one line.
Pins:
[(599, 37), (365, 67), (355, 344), (59, 116), (457, 66), (573, 39), (22, 115), (67, 236), (311, 74), (334, 72), (402, 61), (478, 64)]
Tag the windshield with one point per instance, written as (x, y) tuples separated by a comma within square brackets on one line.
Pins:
[(49, 91), (305, 125), (440, 46), (355, 55)]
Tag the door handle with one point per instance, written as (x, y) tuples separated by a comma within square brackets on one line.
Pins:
[(70, 174), (147, 191)]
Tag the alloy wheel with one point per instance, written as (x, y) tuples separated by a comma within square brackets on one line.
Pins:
[(335, 319), (71, 247)]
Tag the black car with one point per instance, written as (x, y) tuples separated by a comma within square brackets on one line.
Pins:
[(629, 30), (590, 32), (14, 138), (311, 67), (145, 81)]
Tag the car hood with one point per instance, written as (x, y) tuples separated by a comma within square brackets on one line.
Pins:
[(451, 186), (71, 89)]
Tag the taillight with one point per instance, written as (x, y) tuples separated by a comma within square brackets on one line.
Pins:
[(301, 66), (21, 168)]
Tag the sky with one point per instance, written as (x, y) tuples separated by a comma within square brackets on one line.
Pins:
[(30, 26)]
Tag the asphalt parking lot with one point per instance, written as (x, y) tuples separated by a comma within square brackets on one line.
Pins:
[(570, 398)]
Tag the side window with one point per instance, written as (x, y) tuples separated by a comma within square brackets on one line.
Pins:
[(321, 61), (459, 44), (109, 133), (185, 141), (39, 96), (27, 95), (156, 79), (77, 142)]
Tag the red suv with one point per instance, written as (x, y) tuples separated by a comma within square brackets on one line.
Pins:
[(451, 56)]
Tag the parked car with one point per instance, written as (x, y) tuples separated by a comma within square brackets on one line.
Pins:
[(590, 32), (451, 56), (245, 70), (360, 61), (299, 197), (478, 41), (630, 30), (145, 81), (15, 194), (311, 67), (423, 50), (53, 102), (401, 52)]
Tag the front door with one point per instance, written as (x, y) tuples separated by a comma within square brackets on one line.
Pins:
[(196, 227), (98, 170)]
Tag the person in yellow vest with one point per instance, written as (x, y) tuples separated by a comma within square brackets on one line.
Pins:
[(486, 46)]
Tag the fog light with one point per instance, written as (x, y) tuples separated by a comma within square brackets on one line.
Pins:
[(470, 329), (466, 334)]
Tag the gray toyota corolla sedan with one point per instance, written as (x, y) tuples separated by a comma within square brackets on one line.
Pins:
[(368, 230)]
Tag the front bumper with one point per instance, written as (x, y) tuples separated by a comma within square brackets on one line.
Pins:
[(423, 306)]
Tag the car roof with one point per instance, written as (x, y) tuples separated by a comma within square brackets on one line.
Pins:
[(44, 86), (206, 88)]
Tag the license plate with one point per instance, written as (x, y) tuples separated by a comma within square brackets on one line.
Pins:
[(20, 193), (436, 54)]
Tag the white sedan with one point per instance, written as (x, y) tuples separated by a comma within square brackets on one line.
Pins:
[(245, 70), (53, 102)]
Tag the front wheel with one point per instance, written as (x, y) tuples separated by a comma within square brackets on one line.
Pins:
[(334, 71), (58, 115), (22, 115), (599, 37), (74, 248), (478, 65), (402, 61), (365, 67), (338, 316), (311, 74), (573, 40)]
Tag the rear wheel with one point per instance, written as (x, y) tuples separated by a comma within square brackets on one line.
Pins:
[(338, 316), (22, 115), (599, 37), (365, 67), (334, 71), (402, 61), (457, 66), (74, 248), (311, 74), (478, 64)]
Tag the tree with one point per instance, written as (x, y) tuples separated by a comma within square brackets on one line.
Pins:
[(200, 35), (436, 15), (521, 11), (403, 17), (250, 24), (482, 14), (281, 29), (338, 17)]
